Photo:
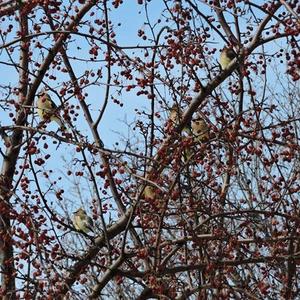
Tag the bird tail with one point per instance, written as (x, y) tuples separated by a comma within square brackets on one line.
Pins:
[(59, 122), (187, 129), (91, 229)]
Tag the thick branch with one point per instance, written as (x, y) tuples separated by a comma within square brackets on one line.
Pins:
[(84, 262)]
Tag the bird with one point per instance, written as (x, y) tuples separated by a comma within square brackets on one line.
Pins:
[(188, 154), (149, 192), (176, 116), (47, 109), (226, 56), (82, 222), (200, 129)]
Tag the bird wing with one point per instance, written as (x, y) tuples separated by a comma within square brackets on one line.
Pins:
[(51, 103), (231, 54), (76, 222), (227, 55), (89, 223), (57, 119)]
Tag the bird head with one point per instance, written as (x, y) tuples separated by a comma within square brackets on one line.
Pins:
[(200, 124), (80, 212), (42, 92), (229, 52)]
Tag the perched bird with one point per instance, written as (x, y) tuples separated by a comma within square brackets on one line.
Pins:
[(227, 55), (175, 114), (175, 117), (47, 110), (149, 192), (187, 154), (200, 129), (82, 222)]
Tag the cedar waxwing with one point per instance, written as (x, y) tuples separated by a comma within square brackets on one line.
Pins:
[(149, 192), (175, 114), (227, 55), (187, 154), (82, 222), (175, 117), (47, 109), (200, 129)]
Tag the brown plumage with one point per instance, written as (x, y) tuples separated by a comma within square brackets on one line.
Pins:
[(175, 117), (200, 129)]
